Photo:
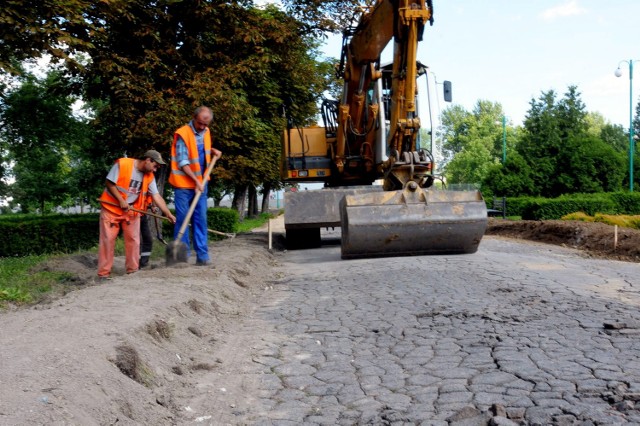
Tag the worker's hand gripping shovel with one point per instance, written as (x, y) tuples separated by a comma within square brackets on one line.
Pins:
[(136, 210), (177, 250)]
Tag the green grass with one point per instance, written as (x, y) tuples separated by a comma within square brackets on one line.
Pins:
[(19, 283), (22, 283), (251, 223)]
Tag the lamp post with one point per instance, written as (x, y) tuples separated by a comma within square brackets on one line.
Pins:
[(504, 139), (618, 73)]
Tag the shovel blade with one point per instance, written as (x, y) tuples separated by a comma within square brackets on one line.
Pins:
[(176, 252)]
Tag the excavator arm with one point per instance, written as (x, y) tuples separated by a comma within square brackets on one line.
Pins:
[(402, 21), (371, 134)]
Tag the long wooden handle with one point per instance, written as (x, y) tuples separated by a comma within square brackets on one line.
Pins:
[(226, 234), (192, 207), (136, 210)]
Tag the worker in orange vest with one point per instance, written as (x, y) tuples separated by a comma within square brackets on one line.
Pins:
[(191, 152), (130, 185)]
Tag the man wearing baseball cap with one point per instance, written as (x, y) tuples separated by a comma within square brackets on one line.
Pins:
[(155, 156), (130, 186)]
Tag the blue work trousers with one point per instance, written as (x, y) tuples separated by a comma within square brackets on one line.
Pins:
[(183, 199)]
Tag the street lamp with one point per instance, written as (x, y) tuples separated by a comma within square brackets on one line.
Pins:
[(504, 139), (618, 73)]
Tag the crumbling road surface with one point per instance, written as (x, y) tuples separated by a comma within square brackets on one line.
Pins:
[(518, 333), (530, 333)]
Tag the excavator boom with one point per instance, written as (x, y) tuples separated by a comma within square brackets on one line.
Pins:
[(373, 134)]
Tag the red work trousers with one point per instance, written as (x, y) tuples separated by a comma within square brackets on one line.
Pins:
[(110, 224)]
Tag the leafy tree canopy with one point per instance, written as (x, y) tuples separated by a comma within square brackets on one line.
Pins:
[(38, 131), (460, 127), (152, 62)]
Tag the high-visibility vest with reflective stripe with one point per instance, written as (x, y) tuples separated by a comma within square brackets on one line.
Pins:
[(177, 177), (124, 179)]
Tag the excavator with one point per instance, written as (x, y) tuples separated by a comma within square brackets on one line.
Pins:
[(378, 180)]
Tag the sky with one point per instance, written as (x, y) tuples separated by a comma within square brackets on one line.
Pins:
[(511, 51)]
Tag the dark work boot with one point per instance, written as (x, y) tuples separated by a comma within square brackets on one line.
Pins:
[(144, 262)]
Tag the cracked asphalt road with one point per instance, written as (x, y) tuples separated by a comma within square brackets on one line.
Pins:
[(518, 333)]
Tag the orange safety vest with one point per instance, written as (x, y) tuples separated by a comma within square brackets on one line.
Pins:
[(177, 177), (124, 178)]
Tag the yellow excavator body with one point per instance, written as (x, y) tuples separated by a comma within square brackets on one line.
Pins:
[(372, 134)]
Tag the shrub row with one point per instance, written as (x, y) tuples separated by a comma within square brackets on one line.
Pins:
[(219, 219), (25, 235), (536, 208), (48, 234)]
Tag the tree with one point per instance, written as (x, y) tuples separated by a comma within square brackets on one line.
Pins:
[(587, 165), (39, 129), (512, 179), (244, 62), (568, 150), (454, 130), (614, 136), (472, 141), (542, 141), (471, 164), (151, 62), (319, 17), (29, 30)]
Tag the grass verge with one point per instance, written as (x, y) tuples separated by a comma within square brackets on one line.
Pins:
[(20, 285), (251, 223)]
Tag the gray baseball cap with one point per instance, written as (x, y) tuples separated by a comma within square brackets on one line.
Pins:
[(155, 156)]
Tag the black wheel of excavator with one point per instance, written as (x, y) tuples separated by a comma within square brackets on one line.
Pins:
[(303, 238)]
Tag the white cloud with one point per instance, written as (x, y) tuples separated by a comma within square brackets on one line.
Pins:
[(570, 8)]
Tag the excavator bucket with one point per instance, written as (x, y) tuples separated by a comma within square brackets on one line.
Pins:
[(411, 222)]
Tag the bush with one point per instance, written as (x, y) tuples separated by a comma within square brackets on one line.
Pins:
[(516, 205), (625, 221), (627, 202), (221, 219), (25, 235), (33, 235), (548, 209)]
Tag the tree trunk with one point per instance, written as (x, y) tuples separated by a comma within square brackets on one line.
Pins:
[(252, 210), (266, 193), (162, 174), (238, 203)]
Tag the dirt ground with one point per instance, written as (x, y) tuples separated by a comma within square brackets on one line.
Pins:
[(137, 349), (593, 239)]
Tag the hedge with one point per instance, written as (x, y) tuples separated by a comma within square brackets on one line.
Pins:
[(25, 235), (36, 235), (221, 219), (538, 208)]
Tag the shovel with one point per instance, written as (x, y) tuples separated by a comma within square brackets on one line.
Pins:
[(225, 234), (177, 250), (213, 231), (156, 216), (158, 230), (135, 210)]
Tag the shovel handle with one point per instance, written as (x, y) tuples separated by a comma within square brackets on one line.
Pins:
[(213, 231), (135, 210), (192, 207)]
